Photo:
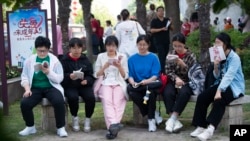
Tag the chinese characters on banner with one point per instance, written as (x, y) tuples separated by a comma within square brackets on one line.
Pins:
[(24, 25)]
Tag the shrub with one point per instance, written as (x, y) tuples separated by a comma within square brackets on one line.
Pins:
[(241, 41), (12, 72)]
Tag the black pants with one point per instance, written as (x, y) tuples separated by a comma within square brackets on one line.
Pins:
[(87, 95), (162, 49), (175, 100), (218, 108), (137, 98), (102, 47), (55, 98)]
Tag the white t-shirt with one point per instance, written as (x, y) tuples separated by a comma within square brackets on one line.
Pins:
[(127, 33)]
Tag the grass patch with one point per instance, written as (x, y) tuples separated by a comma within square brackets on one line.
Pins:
[(13, 123)]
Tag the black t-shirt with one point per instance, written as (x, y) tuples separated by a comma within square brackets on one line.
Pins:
[(162, 36)]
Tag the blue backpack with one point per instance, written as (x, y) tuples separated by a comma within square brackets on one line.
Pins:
[(196, 79)]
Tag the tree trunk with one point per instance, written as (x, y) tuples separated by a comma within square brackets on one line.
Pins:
[(63, 14), (172, 10), (33, 3), (204, 24), (86, 8), (141, 14)]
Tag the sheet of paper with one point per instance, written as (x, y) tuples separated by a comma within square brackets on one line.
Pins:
[(168, 23), (79, 74)]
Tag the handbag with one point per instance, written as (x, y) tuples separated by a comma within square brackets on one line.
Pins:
[(137, 29), (164, 80), (97, 84)]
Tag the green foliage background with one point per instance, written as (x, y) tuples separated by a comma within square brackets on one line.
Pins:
[(241, 41)]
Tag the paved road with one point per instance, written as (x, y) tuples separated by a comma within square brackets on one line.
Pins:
[(127, 134)]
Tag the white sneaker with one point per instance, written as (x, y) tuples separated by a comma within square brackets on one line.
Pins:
[(158, 118), (205, 135), (177, 126), (197, 131), (86, 126), (61, 132), (151, 125), (75, 124), (28, 130), (169, 125)]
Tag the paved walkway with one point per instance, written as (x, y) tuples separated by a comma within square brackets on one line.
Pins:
[(127, 134)]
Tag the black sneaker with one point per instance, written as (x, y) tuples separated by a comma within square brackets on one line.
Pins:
[(110, 136), (114, 129)]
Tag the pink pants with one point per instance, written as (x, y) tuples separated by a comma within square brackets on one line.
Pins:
[(114, 103)]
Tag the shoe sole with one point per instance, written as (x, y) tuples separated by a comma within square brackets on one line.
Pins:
[(76, 130), (86, 130), (33, 132), (177, 130), (202, 139)]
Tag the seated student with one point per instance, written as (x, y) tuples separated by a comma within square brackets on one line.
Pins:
[(78, 81), (229, 85), (144, 68), (177, 91), (42, 81), (113, 67)]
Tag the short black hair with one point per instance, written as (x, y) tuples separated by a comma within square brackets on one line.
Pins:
[(42, 42), (75, 41), (111, 40), (143, 38), (179, 37), (159, 7)]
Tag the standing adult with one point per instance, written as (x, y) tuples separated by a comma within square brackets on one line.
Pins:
[(127, 32), (119, 20), (41, 77), (100, 37), (95, 34), (151, 14), (160, 32), (76, 86), (185, 27), (108, 30), (113, 67), (228, 85), (228, 24), (246, 22)]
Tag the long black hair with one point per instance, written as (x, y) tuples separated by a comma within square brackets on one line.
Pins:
[(226, 39)]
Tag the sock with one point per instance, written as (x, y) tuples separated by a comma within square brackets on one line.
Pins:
[(211, 128), (174, 117)]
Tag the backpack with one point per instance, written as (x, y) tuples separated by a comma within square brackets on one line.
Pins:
[(196, 79)]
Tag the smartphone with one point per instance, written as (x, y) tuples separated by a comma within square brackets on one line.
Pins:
[(111, 61)]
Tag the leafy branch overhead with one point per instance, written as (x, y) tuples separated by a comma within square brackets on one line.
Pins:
[(222, 4)]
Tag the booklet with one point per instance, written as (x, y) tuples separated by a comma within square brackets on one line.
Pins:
[(168, 23), (78, 74), (217, 53), (38, 65), (172, 57)]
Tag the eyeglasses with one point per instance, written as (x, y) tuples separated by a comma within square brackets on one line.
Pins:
[(179, 47), (42, 50)]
